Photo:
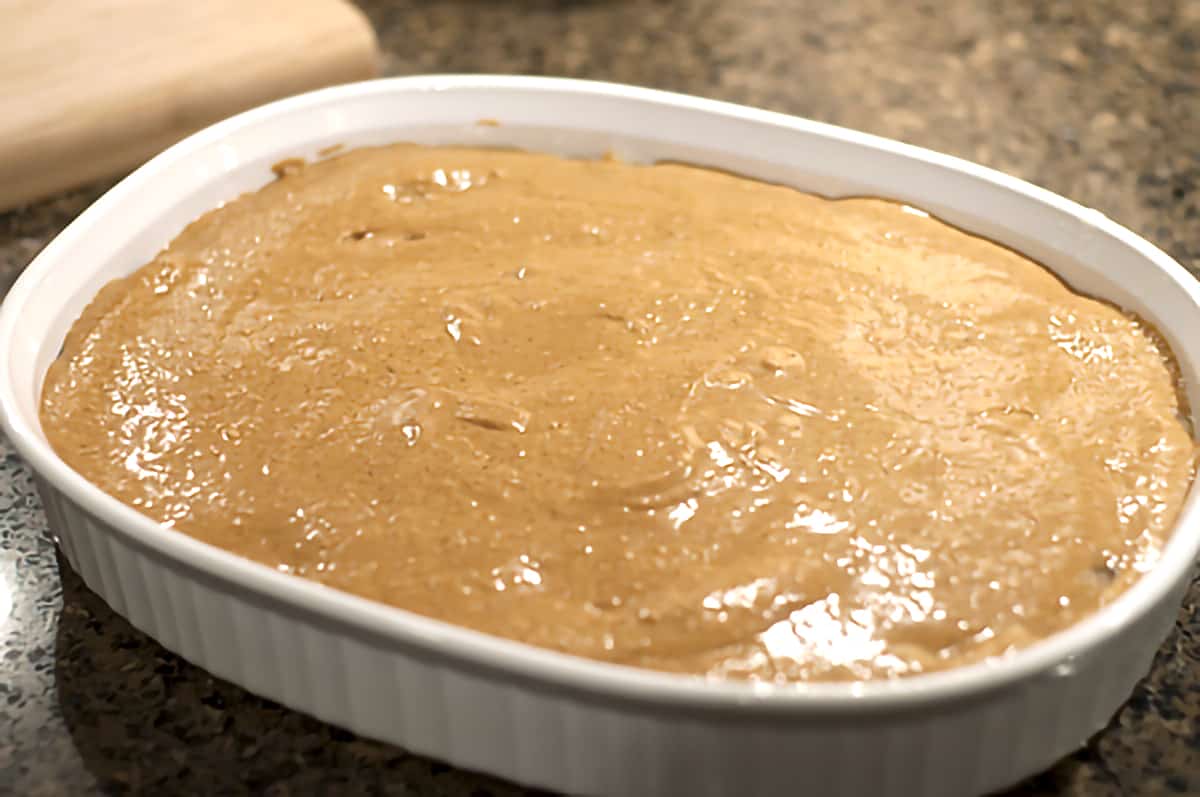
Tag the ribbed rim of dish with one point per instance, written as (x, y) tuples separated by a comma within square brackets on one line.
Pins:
[(517, 661)]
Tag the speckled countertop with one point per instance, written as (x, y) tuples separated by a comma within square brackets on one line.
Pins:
[(1098, 101)]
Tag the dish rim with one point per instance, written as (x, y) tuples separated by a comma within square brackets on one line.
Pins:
[(470, 649)]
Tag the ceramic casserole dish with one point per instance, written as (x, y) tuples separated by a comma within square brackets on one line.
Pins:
[(543, 718)]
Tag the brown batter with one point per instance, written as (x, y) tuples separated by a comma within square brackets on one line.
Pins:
[(653, 415)]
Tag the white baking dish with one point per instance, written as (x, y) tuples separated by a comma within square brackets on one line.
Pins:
[(532, 715)]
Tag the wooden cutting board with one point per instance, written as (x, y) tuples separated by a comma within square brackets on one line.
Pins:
[(91, 88)]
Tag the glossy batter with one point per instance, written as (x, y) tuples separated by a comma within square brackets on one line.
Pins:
[(660, 416)]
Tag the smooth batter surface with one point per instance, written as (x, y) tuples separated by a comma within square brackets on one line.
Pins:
[(652, 415)]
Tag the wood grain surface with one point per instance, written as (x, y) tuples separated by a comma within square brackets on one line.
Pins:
[(91, 88)]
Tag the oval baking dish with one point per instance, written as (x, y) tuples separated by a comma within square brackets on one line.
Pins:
[(536, 716)]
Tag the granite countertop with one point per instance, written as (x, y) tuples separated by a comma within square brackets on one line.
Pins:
[(1097, 101)]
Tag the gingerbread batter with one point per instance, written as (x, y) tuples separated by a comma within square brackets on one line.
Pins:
[(660, 416)]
